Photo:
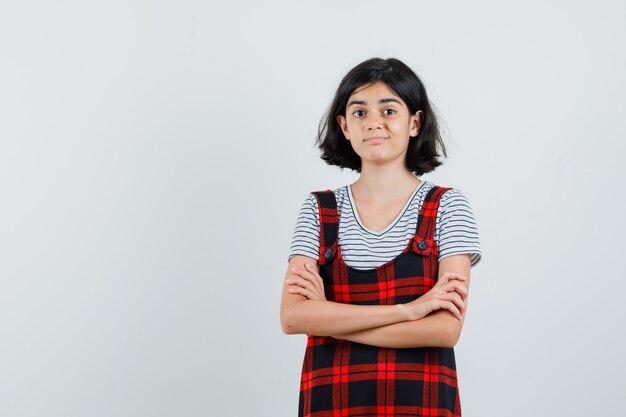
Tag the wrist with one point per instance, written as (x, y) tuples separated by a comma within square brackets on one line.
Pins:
[(405, 312)]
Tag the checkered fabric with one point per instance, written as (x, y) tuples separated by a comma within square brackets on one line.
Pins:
[(342, 378)]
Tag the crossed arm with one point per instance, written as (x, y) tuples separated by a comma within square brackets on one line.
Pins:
[(392, 326)]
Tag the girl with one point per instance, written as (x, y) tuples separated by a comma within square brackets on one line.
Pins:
[(379, 270)]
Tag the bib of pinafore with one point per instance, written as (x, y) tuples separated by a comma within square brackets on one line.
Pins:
[(342, 378)]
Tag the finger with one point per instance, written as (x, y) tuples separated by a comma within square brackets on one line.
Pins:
[(316, 277), (454, 275), (458, 301), (311, 294), (299, 290), (306, 284), (303, 274), (446, 279), (295, 284), (458, 287), (454, 286), (315, 273), (450, 306), (298, 271), (452, 297), (317, 280), (301, 282), (313, 282)]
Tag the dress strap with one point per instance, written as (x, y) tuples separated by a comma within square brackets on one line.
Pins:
[(327, 207), (424, 239)]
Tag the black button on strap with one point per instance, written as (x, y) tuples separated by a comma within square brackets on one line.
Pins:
[(422, 245), (328, 253)]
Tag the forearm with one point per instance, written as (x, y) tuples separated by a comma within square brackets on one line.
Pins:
[(434, 330), (327, 318)]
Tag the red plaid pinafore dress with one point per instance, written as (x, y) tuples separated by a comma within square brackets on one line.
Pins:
[(342, 378)]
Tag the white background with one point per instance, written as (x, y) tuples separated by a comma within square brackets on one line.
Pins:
[(154, 156)]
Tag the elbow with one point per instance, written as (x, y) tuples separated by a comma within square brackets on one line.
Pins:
[(453, 335), (288, 324), (293, 317), (287, 328), (448, 329), (452, 340)]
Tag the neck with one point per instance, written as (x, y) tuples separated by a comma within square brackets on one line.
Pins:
[(384, 183)]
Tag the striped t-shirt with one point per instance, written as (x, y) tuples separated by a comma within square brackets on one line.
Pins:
[(455, 229)]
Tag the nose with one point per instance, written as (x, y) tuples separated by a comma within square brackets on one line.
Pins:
[(374, 121)]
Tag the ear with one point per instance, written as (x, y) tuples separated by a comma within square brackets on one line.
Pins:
[(415, 123), (344, 125)]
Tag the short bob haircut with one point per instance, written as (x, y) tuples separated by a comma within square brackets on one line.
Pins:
[(421, 156)]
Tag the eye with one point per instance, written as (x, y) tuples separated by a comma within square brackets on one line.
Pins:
[(389, 112), (358, 113)]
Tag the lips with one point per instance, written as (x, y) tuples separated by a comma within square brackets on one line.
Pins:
[(375, 139)]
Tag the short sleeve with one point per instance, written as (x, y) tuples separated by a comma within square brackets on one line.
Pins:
[(456, 227), (306, 234)]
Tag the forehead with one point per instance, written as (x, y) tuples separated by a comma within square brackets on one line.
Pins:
[(373, 93)]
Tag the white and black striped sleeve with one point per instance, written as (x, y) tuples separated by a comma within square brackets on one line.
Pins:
[(458, 232), (306, 235)]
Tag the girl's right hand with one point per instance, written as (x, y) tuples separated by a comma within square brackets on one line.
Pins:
[(447, 293)]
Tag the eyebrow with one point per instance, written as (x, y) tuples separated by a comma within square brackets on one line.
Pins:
[(381, 101)]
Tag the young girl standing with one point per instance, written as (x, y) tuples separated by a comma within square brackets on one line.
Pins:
[(379, 270)]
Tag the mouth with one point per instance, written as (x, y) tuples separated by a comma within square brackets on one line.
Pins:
[(375, 139)]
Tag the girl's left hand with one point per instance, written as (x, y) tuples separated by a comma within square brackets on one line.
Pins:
[(308, 283)]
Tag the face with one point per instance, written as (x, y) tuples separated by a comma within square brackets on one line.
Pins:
[(378, 124)]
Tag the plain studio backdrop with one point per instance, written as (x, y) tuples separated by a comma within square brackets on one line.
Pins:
[(154, 156)]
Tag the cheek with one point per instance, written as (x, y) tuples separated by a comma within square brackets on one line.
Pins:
[(353, 126), (398, 125)]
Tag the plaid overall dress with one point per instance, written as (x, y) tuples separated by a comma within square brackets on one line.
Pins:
[(342, 378)]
